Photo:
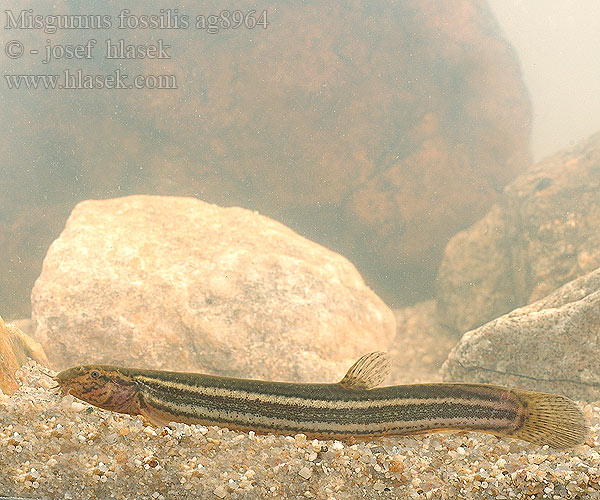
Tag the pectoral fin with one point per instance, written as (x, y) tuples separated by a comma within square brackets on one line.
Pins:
[(156, 417), (368, 372)]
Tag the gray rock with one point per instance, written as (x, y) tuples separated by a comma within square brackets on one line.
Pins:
[(552, 345), (543, 233), (176, 283)]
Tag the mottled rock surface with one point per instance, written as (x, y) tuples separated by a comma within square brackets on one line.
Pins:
[(176, 283), (376, 128), (543, 233), (16, 348), (552, 345)]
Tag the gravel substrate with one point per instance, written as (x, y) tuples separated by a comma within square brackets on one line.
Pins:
[(55, 447)]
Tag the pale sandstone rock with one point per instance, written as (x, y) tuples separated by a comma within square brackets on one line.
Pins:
[(552, 345), (176, 283)]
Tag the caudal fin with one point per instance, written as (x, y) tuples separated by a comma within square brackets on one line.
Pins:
[(551, 419)]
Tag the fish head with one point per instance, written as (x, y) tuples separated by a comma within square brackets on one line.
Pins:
[(105, 386)]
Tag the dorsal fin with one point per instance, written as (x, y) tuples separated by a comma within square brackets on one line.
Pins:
[(368, 372)]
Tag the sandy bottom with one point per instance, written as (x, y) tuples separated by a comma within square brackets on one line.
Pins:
[(53, 448)]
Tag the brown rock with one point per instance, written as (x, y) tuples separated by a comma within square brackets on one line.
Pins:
[(25, 325), (551, 345), (376, 128), (15, 349), (421, 345), (176, 283), (543, 233)]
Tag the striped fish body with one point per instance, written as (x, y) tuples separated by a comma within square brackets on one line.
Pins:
[(326, 410), (349, 408)]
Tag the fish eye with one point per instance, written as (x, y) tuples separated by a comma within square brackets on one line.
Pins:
[(95, 373)]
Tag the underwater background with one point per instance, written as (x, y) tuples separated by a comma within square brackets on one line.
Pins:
[(272, 189)]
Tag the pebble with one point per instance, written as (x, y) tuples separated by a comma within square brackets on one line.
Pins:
[(77, 406), (220, 492), (305, 473), (53, 449)]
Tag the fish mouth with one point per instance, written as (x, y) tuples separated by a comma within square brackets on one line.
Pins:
[(59, 387), (63, 389), (58, 384)]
